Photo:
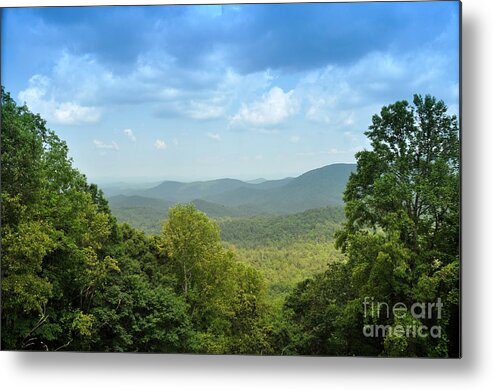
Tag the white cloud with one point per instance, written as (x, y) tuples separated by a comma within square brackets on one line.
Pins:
[(344, 98), (40, 99), (38, 84), (130, 134), (80, 88), (214, 136), (101, 145), (210, 109), (70, 113), (160, 144), (294, 139), (274, 107), (349, 119), (155, 81), (317, 111)]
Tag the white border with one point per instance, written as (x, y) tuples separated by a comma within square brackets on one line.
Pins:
[(131, 371)]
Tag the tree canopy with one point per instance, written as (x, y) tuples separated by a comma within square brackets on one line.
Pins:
[(73, 278), (401, 238)]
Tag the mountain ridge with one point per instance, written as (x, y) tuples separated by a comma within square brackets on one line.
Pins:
[(316, 188)]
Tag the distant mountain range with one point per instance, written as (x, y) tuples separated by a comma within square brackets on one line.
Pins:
[(233, 198)]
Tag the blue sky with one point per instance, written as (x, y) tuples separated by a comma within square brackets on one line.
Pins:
[(244, 91)]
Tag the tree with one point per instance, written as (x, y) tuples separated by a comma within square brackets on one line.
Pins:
[(189, 239), (409, 182), (402, 208), (53, 236), (225, 297), (400, 238), (71, 277)]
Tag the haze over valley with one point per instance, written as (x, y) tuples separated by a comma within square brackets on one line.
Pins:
[(146, 208)]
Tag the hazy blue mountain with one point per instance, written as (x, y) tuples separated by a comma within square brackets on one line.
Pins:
[(234, 198), (256, 181), (149, 213), (185, 192), (131, 201), (239, 196), (215, 210), (124, 188), (268, 184), (317, 188)]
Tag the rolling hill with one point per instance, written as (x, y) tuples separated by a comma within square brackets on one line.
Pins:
[(317, 188), (314, 224), (222, 198), (185, 192), (132, 201)]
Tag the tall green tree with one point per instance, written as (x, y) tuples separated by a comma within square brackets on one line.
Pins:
[(71, 277), (401, 240), (402, 207), (189, 239), (409, 182), (225, 296)]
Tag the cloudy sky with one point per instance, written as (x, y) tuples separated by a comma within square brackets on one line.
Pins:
[(244, 91)]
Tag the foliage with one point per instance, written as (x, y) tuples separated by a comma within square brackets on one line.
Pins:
[(146, 219), (283, 266), (225, 296), (75, 279), (280, 231), (71, 277), (401, 237)]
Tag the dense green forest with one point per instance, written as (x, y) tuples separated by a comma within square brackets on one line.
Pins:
[(292, 282), (312, 225)]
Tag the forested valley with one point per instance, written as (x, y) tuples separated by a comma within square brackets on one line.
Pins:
[(252, 269)]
